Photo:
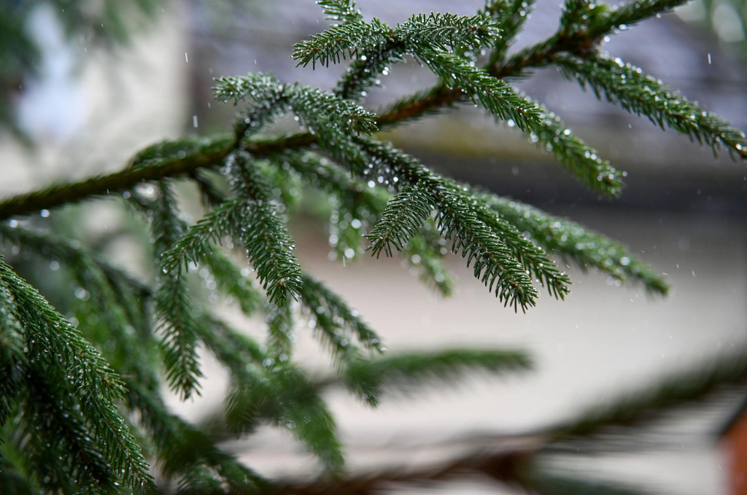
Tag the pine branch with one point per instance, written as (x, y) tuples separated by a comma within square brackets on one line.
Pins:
[(424, 253), (573, 154), (400, 220), (340, 10), (12, 357), (214, 150), (643, 95), (335, 322), (434, 31), (586, 248), (492, 93), (268, 244), (498, 252), (267, 387), (182, 448), (510, 16), (406, 370), (173, 305), (342, 41), (196, 243), (280, 326), (446, 32), (53, 341), (673, 391), (232, 282), (284, 397), (52, 421)]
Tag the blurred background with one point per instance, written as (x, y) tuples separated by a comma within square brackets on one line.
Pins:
[(86, 84)]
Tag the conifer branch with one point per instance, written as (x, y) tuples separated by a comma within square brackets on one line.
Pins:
[(630, 409), (181, 447), (280, 326), (424, 254), (404, 370), (573, 154), (232, 282), (586, 248), (210, 152), (52, 341), (463, 221), (266, 239), (340, 10), (322, 301), (173, 305), (510, 16), (493, 94), (643, 95), (400, 220), (50, 417)]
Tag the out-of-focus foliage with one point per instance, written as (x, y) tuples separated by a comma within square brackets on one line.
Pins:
[(80, 402)]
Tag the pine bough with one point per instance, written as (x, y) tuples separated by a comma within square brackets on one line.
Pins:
[(80, 407)]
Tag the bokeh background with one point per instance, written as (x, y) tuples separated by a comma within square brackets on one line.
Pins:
[(87, 102)]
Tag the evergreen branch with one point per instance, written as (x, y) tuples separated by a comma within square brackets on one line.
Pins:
[(282, 395), (405, 370), (400, 220), (424, 253), (510, 16), (533, 259), (280, 326), (342, 41), (630, 13), (273, 390), (584, 24), (364, 70), (434, 31), (181, 447), (214, 150), (12, 357), (268, 244), (366, 204), (340, 10), (195, 245), (52, 421), (257, 86), (419, 105), (586, 248), (318, 171), (110, 294), (447, 32), (458, 218), (573, 154), (331, 118), (173, 307), (643, 95), (676, 390), (321, 301), (232, 282), (53, 341), (492, 93)]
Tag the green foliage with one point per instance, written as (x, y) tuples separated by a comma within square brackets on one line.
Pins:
[(571, 240), (76, 400), (55, 350), (644, 95), (407, 370)]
